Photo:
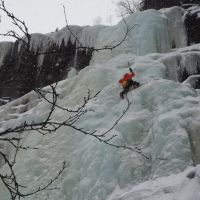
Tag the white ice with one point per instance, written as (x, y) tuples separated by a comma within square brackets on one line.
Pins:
[(163, 120)]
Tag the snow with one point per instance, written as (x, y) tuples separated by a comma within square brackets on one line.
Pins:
[(169, 188), (194, 10), (191, 80), (163, 120)]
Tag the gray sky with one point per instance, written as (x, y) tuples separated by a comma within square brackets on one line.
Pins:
[(43, 16)]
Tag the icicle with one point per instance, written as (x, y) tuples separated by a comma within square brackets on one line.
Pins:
[(75, 63)]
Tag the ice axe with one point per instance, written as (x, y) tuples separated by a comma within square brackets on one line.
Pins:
[(130, 68)]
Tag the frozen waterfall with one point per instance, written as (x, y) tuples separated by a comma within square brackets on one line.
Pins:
[(162, 117)]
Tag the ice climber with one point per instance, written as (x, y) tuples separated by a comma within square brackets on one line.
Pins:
[(127, 83)]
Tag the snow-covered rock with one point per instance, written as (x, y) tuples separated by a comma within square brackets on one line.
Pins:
[(192, 22)]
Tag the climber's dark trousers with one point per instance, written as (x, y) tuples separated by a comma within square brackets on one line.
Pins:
[(130, 85)]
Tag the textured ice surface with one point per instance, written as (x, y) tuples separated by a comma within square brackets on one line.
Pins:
[(162, 116)]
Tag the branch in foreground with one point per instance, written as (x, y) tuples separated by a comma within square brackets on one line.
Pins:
[(107, 47), (24, 29), (18, 23), (14, 188), (49, 125)]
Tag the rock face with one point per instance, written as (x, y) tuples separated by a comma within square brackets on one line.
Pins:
[(154, 4), (48, 60), (192, 22)]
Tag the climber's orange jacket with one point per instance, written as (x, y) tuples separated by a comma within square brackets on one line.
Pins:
[(125, 78)]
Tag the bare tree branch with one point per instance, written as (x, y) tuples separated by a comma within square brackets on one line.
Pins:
[(107, 47), (19, 24), (127, 7), (49, 124)]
